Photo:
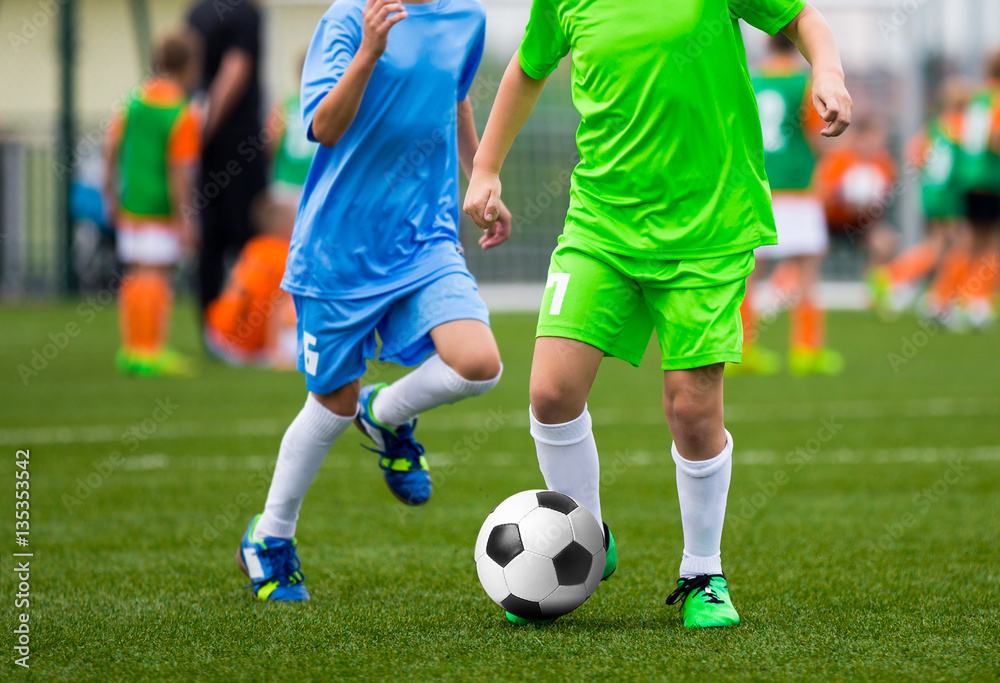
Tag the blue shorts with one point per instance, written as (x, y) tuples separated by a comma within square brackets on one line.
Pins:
[(337, 337)]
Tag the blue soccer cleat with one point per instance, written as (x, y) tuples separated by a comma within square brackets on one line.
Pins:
[(401, 456), (273, 567)]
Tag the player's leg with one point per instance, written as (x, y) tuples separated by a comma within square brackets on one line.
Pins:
[(809, 354), (941, 293), (696, 312), (591, 308), (915, 263), (978, 291), (336, 337), (757, 360), (562, 374), (467, 364), (703, 452), (304, 447), (980, 286), (146, 300), (442, 326)]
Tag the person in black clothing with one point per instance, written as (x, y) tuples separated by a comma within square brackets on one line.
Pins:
[(233, 163)]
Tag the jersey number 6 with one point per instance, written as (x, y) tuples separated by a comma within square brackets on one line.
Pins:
[(309, 355)]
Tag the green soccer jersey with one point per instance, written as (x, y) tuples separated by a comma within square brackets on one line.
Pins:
[(671, 151), (295, 151), (151, 125), (939, 177), (788, 157), (980, 164)]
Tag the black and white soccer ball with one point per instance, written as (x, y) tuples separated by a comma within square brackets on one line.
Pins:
[(540, 554)]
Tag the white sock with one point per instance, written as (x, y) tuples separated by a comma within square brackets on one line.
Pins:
[(567, 456), (431, 385), (702, 489), (303, 448)]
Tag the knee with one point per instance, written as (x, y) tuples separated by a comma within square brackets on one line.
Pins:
[(554, 403), (691, 416), (477, 367), (342, 401)]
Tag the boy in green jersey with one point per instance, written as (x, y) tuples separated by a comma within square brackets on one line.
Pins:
[(667, 204), (979, 173), (935, 152), (150, 153)]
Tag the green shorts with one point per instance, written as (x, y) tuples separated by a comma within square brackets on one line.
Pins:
[(615, 302)]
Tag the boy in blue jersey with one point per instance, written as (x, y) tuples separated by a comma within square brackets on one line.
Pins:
[(375, 249)]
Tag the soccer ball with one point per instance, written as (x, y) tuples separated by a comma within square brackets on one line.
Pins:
[(540, 554)]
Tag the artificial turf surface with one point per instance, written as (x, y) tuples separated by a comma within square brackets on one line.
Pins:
[(863, 536)]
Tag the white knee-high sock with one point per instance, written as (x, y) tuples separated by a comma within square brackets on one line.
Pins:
[(567, 456), (702, 489), (432, 384), (303, 449)]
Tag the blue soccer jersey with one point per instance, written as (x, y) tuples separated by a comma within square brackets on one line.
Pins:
[(379, 209)]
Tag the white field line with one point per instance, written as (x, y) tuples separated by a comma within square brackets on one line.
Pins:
[(792, 412), (527, 297), (843, 456)]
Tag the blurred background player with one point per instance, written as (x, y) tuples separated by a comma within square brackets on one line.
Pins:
[(979, 167), (790, 124), (935, 152), (291, 151), (253, 321), (855, 180), (151, 151), (230, 78)]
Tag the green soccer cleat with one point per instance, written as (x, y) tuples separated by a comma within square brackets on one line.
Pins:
[(164, 363), (610, 565), (705, 601), (611, 561), (756, 361), (803, 361), (880, 292)]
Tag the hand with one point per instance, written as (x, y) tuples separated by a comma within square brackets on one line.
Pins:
[(497, 233), (833, 102), (377, 23), (482, 203)]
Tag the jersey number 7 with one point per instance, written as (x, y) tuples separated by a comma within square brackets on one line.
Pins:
[(560, 281)]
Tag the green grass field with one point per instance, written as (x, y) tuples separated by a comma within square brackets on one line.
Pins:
[(863, 539)]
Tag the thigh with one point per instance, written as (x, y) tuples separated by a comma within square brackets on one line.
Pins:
[(406, 329), (335, 340), (590, 297), (696, 311), (468, 347)]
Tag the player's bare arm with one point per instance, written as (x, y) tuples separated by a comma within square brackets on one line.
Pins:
[(468, 145), (336, 112), (110, 155), (181, 194), (810, 32), (516, 98)]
